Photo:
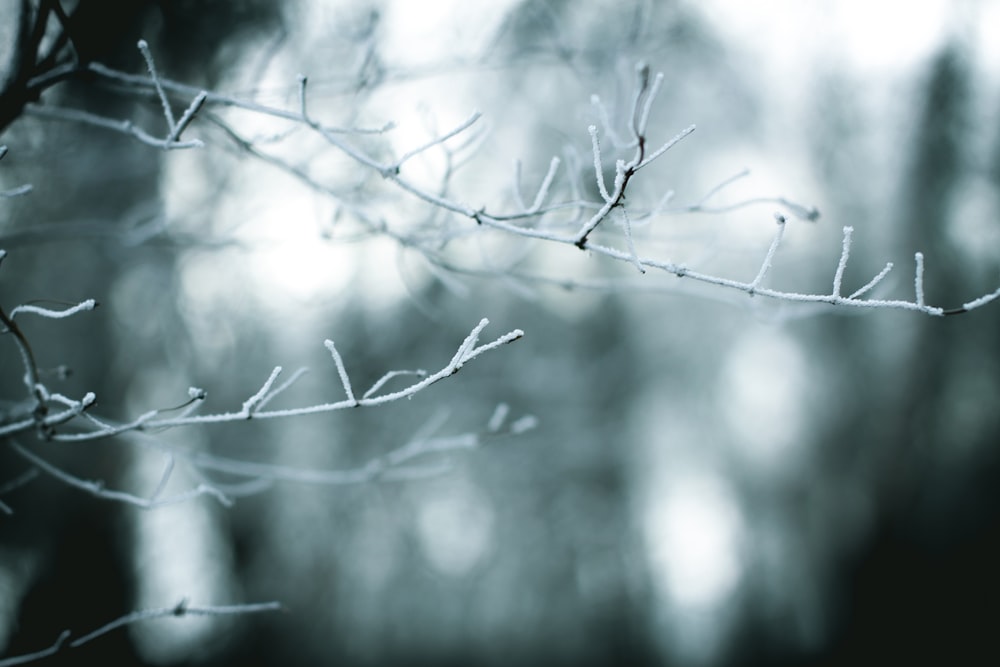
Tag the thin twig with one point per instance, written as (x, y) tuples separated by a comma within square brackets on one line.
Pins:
[(251, 404), (178, 610), (765, 266), (462, 127), (188, 116), (83, 306), (595, 146), (37, 655), (919, 278), (98, 490), (543, 190), (873, 282), (168, 113), (845, 252), (345, 381)]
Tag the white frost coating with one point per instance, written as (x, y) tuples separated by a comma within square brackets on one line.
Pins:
[(871, 284), (83, 306), (981, 301), (251, 404), (595, 146), (845, 253), (765, 266), (168, 113), (341, 370), (919, 278)]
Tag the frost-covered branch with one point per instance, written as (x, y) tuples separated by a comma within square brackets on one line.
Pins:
[(534, 222), (174, 128), (58, 418), (524, 222), (93, 428)]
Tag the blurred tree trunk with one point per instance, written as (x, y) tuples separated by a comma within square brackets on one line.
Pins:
[(915, 426), (95, 187)]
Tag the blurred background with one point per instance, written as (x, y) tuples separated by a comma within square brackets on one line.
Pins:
[(713, 478)]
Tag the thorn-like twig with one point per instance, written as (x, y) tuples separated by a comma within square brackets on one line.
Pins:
[(543, 190), (341, 371), (765, 266), (168, 113), (595, 145), (919, 278), (251, 405), (469, 122), (873, 282), (189, 114), (845, 253)]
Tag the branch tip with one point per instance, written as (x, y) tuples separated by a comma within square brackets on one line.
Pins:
[(918, 280)]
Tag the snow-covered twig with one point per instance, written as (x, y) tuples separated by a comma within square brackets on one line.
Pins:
[(919, 279), (845, 252), (168, 113), (83, 306), (765, 266), (250, 405)]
